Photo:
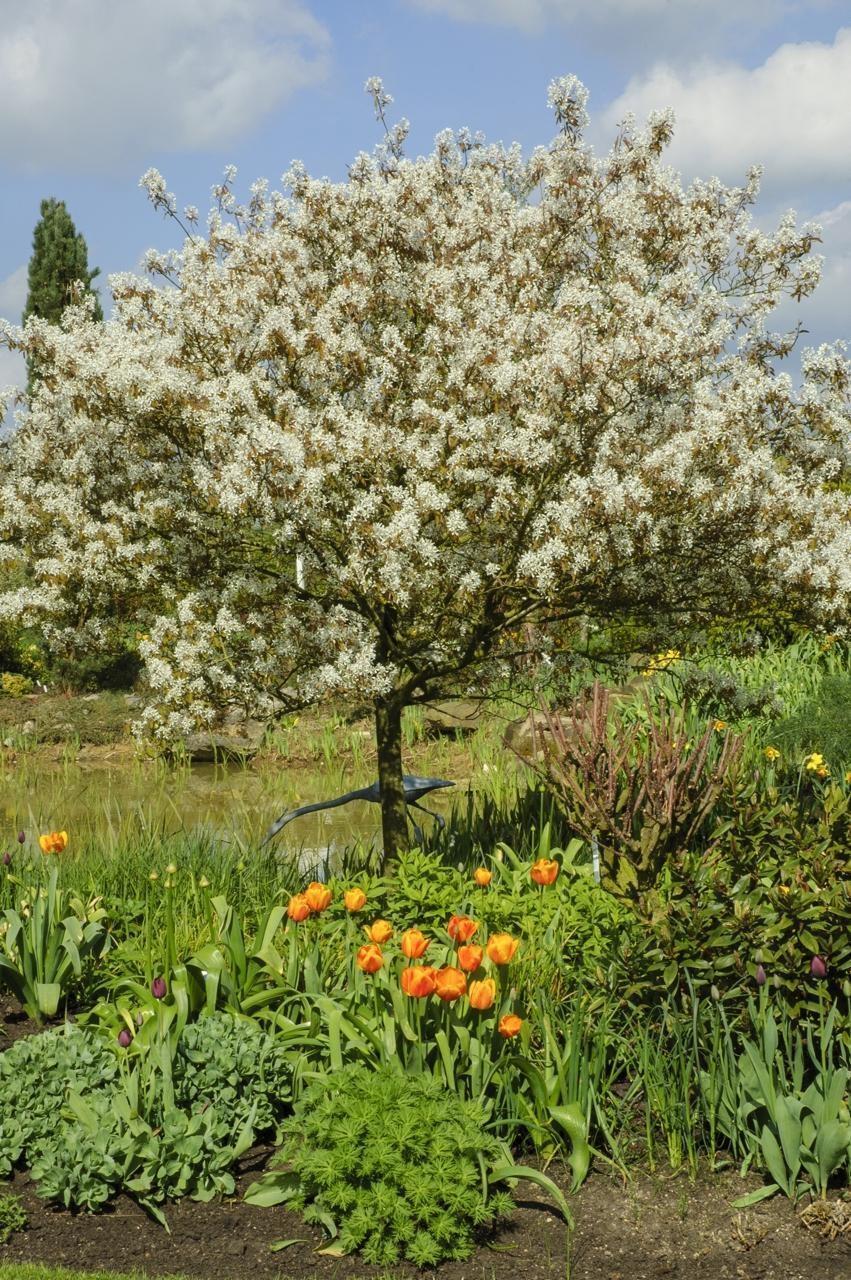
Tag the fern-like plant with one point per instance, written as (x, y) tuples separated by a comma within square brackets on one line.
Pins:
[(394, 1166)]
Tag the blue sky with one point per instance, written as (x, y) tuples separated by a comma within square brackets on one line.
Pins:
[(94, 92)]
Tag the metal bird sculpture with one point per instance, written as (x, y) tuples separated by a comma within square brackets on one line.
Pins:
[(414, 788)]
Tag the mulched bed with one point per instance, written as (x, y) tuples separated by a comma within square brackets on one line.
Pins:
[(14, 1023), (651, 1227)]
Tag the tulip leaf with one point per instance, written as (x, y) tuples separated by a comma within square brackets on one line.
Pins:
[(512, 1172)]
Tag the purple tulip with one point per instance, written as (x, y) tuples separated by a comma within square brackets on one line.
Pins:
[(158, 988), (7, 858), (759, 976), (22, 836), (818, 968), (125, 1037)]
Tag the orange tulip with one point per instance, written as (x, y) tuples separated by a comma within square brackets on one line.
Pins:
[(317, 896), (470, 957), (482, 994), (354, 899), (509, 1025), (450, 983), (299, 908), (418, 980), (379, 931), (482, 877), (55, 842), (501, 947), (414, 944), (461, 928), (544, 871), (369, 958)]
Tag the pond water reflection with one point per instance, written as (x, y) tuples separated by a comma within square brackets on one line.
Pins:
[(112, 804)]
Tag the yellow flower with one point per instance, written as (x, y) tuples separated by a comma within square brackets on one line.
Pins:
[(814, 762), (771, 753), (848, 776), (661, 661), (54, 842), (719, 725)]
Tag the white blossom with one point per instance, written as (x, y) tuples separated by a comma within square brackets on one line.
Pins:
[(463, 408)]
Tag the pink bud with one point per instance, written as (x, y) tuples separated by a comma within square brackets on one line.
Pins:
[(158, 988), (759, 976), (125, 1038), (818, 968), (22, 835), (7, 858)]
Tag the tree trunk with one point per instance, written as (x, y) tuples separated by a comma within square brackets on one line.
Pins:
[(388, 735)]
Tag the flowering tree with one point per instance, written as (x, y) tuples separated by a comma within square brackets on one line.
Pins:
[(469, 392)]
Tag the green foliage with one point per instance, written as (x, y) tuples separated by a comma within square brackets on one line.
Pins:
[(35, 1076), (44, 945), (59, 262), (781, 1101), (13, 1216), (14, 684), (159, 1122), (393, 1165), (775, 891), (822, 723)]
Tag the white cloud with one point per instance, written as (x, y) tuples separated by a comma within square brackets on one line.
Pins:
[(84, 85), (790, 114), (13, 295)]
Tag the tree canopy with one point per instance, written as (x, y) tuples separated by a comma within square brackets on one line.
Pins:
[(59, 262), (471, 391)]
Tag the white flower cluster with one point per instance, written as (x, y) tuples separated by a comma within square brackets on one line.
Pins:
[(463, 410)]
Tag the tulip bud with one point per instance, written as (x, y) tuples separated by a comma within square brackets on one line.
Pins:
[(544, 871), (759, 976), (203, 883), (714, 992), (501, 947), (369, 958), (7, 858), (171, 869), (417, 980), (125, 1037), (482, 994), (158, 988), (21, 837), (450, 983), (298, 908), (139, 1019), (354, 899), (470, 957), (154, 875), (482, 877), (317, 896), (414, 944), (509, 1025), (818, 967), (379, 931), (461, 928)]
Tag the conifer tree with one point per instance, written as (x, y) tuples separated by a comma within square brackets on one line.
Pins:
[(59, 260)]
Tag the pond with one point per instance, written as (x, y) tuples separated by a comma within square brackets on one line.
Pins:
[(123, 802)]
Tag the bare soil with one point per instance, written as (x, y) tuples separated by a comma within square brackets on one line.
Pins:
[(649, 1228)]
